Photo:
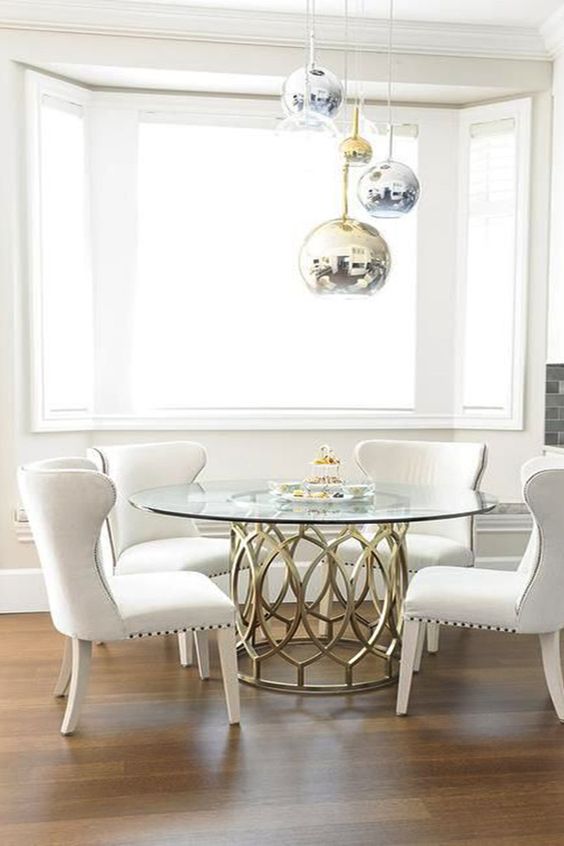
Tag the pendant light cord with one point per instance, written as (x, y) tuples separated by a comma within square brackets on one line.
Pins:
[(390, 123), (346, 63), (360, 98), (308, 59), (312, 35)]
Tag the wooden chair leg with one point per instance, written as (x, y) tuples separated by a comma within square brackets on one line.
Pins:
[(407, 661), (63, 681), (186, 648), (201, 642), (433, 630), (419, 650), (550, 648), (228, 660), (81, 655)]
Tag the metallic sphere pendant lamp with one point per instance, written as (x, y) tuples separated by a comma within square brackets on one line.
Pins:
[(312, 95), (389, 188), (345, 256)]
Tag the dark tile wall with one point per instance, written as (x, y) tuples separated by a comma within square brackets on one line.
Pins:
[(554, 409)]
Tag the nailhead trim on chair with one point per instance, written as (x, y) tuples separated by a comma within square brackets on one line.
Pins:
[(178, 631), (461, 625)]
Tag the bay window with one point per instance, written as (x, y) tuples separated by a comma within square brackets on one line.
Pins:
[(165, 238)]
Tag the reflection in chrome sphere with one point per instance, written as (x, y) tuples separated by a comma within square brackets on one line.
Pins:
[(325, 91), (345, 257), (307, 122), (388, 189)]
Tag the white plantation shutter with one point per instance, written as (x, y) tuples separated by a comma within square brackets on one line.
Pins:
[(493, 187)]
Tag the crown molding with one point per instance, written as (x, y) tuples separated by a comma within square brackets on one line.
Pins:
[(552, 31), (146, 18)]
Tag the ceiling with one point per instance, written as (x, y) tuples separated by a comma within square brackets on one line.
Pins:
[(529, 13), (198, 81)]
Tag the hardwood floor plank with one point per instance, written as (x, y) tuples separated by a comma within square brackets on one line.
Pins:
[(480, 760)]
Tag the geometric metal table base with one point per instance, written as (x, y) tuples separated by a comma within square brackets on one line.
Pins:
[(344, 616)]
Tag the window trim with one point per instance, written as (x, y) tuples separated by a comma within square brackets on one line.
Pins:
[(444, 415), (513, 416), (36, 87)]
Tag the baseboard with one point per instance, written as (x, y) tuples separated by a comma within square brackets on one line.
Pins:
[(22, 591), (498, 562)]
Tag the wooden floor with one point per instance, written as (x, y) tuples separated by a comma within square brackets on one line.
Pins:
[(480, 760)]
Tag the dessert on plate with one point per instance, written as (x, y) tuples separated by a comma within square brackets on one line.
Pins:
[(323, 482), (325, 469)]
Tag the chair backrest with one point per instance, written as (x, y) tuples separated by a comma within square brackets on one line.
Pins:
[(541, 604), (456, 465), (135, 467), (66, 509)]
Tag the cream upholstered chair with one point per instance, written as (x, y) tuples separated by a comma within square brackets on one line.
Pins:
[(527, 601), (67, 509), (147, 543), (439, 542)]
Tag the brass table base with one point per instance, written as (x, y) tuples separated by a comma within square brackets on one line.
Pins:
[(341, 615)]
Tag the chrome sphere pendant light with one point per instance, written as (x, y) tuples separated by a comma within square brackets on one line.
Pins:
[(312, 95), (389, 188), (325, 90)]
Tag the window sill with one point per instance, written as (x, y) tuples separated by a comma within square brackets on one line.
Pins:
[(275, 420)]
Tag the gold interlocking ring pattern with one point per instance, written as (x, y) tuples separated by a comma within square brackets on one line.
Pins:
[(345, 612)]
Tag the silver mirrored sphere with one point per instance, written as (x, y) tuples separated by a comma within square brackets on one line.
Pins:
[(325, 91), (345, 257), (388, 189)]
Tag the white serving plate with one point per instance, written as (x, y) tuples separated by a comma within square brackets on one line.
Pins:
[(289, 497), (289, 487)]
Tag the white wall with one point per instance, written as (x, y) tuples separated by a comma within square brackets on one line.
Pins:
[(556, 299), (268, 453)]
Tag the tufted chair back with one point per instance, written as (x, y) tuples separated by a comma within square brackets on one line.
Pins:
[(135, 467), (541, 604), (67, 501), (448, 465)]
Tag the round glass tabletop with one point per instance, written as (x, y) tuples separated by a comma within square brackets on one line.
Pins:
[(252, 502)]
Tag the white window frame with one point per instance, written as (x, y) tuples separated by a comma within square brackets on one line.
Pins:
[(438, 303), (38, 86), (473, 417)]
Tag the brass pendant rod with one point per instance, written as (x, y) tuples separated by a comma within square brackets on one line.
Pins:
[(356, 117), (345, 185)]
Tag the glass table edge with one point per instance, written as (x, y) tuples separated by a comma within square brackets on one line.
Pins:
[(298, 519)]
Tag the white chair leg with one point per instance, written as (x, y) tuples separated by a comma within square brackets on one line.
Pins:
[(64, 678), (81, 655), (201, 641), (550, 648), (186, 648), (433, 630), (419, 650), (407, 661), (228, 660)]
